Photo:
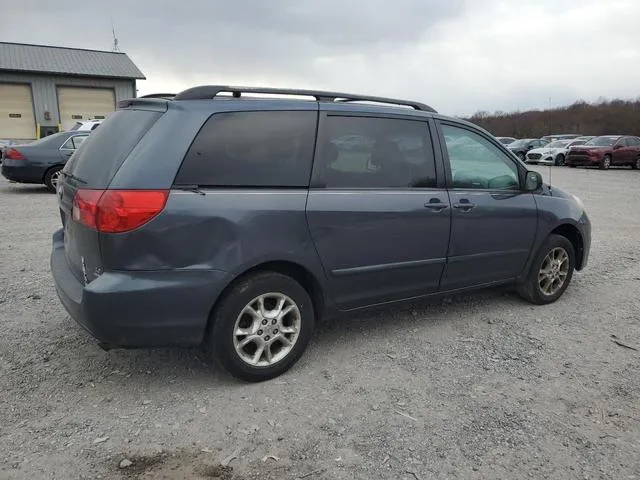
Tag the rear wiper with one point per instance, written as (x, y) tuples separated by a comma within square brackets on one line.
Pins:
[(190, 188), (72, 176)]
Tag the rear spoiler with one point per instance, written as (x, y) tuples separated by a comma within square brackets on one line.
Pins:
[(155, 104)]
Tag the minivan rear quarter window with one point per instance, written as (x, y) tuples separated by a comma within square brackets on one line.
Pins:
[(99, 158), (252, 149)]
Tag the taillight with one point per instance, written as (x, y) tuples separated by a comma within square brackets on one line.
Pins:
[(117, 211), (13, 154)]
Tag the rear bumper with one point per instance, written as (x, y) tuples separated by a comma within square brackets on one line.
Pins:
[(138, 309), (21, 173)]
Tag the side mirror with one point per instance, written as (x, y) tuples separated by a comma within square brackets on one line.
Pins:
[(533, 181)]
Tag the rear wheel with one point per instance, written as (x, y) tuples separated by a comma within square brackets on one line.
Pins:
[(51, 178), (605, 163), (261, 327), (559, 160), (551, 272)]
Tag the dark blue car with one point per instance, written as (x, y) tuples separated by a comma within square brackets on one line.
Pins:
[(235, 222), (41, 161)]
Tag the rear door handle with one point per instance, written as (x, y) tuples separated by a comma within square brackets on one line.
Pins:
[(435, 205)]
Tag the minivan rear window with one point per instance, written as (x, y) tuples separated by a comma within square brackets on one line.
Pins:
[(99, 158), (252, 149)]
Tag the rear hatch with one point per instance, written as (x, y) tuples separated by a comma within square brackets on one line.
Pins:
[(87, 175)]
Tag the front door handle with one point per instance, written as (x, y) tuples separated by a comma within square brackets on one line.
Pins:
[(435, 205)]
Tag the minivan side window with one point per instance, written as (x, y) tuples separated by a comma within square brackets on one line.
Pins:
[(252, 149), (476, 163), (367, 152)]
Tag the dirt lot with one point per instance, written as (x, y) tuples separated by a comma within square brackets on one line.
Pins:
[(480, 386)]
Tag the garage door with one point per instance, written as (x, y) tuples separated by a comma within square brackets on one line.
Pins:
[(16, 112), (79, 104)]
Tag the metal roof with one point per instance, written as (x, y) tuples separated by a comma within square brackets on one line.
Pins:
[(20, 57)]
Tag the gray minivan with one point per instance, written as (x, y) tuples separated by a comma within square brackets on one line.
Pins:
[(232, 221)]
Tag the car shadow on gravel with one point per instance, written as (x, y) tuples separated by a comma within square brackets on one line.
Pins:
[(191, 365), (20, 189)]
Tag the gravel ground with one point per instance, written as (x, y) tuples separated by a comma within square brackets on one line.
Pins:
[(477, 386)]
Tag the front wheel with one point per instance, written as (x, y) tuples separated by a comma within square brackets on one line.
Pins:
[(261, 327), (521, 156), (605, 163), (560, 161), (636, 164), (551, 271)]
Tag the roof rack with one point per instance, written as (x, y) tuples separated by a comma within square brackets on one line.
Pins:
[(168, 96), (211, 91)]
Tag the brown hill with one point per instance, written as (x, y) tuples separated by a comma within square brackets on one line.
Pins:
[(602, 118)]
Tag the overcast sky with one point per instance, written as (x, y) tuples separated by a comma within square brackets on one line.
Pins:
[(459, 56)]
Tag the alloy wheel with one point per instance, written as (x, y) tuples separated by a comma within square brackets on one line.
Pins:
[(267, 329), (55, 178), (553, 271)]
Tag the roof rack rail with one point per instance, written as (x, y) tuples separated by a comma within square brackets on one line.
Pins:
[(211, 91), (168, 96)]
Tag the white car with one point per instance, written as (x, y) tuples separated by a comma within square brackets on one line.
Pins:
[(553, 153), (87, 125)]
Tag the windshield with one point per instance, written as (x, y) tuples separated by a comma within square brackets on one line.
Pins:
[(602, 141)]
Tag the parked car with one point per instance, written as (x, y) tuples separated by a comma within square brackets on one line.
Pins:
[(506, 140), (554, 153), (560, 136), (237, 223), (521, 147), (606, 151), (41, 161), (551, 154)]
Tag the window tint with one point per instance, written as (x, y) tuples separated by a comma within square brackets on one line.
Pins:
[(477, 163), (246, 149), (362, 152), (98, 160), (634, 141)]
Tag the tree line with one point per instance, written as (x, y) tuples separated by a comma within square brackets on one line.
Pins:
[(601, 118)]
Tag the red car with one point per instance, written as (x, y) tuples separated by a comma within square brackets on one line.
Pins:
[(606, 151)]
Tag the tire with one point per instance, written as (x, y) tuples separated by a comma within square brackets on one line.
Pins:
[(605, 163), (636, 164), (51, 178), (572, 166), (521, 156), (559, 160), (541, 290), (226, 347)]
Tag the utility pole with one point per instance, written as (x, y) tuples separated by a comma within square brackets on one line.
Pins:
[(549, 117)]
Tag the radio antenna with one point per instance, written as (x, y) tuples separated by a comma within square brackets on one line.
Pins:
[(115, 39)]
